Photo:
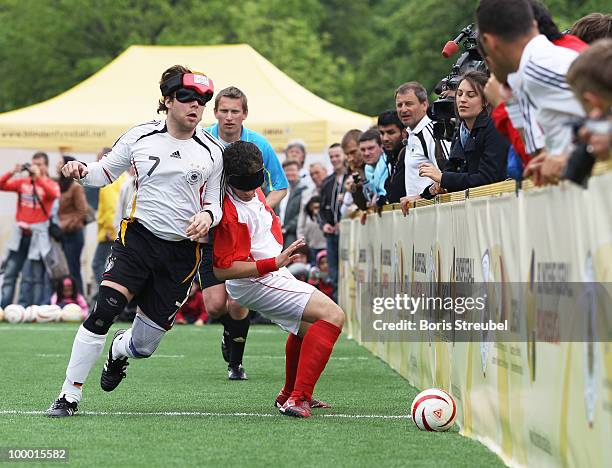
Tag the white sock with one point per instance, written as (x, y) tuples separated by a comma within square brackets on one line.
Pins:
[(121, 346), (86, 350)]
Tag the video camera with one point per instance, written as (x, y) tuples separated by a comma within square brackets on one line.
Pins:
[(442, 111), (26, 167)]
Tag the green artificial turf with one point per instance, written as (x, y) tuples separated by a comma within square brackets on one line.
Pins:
[(188, 375)]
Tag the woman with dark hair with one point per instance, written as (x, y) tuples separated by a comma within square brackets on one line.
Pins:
[(72, 211), (478, 153)]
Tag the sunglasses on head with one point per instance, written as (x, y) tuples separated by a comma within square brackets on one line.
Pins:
[(185, 95)]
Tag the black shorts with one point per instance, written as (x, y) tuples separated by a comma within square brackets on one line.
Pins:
[(158, 272), (207, 277)]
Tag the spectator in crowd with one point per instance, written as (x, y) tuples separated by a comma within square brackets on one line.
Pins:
[(354, 197), (296, 151), (72, 211), (592, 27), (36, 193), (66, 292), (478, 152), (511, 43), (332, 197), (520, 114), (289, 207), (421, 146), (310, 230), (319, 275), (108, 198), (590, 77), (318, 173), (193, 310), (393, 136), (376, 170), (548, 27)]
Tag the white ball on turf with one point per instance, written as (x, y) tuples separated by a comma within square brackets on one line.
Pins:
[(48, 313), (72, 313), (433, 410), (30, 313), (14, 313)]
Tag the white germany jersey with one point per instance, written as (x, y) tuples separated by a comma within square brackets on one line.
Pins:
[(175, 179), (542, 71)]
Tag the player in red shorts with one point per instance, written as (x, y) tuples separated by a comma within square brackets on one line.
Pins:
[(248, 255)]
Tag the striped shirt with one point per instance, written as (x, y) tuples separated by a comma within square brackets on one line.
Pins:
[(175, 179), (542, 73)]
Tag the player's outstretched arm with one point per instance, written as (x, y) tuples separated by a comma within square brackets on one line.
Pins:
[(75, 169), (240, 269), (111, 166)]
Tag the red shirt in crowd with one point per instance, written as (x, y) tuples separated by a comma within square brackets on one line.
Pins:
[(28, 206)]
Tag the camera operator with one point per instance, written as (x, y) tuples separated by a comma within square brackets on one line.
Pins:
[(36, 193), (478, 152)]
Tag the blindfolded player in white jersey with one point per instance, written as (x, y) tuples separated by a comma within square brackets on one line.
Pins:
[(177, 199)]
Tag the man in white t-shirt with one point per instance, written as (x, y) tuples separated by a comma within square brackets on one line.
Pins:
[(512, 43), (411, 104)]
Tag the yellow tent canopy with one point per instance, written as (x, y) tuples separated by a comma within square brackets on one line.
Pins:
[(97, 111)]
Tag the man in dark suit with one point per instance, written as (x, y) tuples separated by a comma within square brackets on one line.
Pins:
[(289, 207)]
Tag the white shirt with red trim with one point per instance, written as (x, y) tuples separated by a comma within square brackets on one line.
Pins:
[(175, 179), (248, 231)]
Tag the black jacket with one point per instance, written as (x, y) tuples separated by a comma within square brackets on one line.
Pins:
[(395, 185), (330, 201), (484, 159)]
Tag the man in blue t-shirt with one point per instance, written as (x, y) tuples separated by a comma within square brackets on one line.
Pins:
[(231, 109)]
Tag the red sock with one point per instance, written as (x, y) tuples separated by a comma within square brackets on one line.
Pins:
[(292, 357), (317, 346)]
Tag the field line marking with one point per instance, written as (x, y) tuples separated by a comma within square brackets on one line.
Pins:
[(169, 356), (204, 414)]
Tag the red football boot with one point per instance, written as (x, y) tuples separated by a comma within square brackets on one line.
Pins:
[(296, 408), (314, 403)]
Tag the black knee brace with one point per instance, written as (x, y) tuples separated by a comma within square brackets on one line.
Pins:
[(107, 308)]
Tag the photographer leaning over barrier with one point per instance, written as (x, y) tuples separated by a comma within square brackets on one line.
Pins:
[(36, 193), (511, 42), (478, 153)]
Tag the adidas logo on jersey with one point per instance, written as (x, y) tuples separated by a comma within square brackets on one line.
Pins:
[(176, 154)]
